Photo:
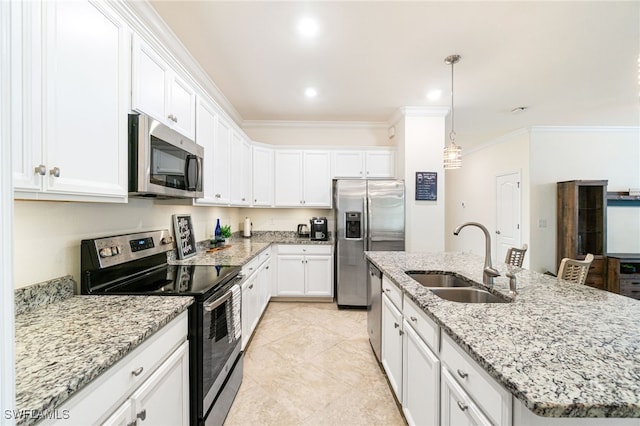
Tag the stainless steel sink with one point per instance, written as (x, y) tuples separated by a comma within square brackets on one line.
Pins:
[(439, 279), (468, 295)]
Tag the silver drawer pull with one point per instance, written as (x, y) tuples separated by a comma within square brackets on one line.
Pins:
[(41, 170), (137, 371), (462, 405), (400, 332), (462, 374), (55, 172), (387, 290), (142, 414), (414, 319)]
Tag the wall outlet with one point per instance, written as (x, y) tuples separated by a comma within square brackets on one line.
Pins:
[(542, 223)]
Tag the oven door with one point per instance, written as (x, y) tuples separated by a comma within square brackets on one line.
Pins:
[(221, 340)]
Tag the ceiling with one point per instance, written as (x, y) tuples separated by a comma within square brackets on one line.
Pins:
[(569, 63)]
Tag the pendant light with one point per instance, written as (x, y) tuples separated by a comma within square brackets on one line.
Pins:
[(452, 152)]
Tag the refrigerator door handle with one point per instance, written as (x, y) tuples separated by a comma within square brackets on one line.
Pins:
[(366, 212)]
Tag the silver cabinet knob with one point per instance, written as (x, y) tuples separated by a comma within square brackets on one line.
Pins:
[(217, 195), (142, 414), (41, 170), (462, 374), (462, 405), (138, 371), (414, 319), (170, 117), (55, 172)]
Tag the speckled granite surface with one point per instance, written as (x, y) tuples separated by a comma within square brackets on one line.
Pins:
[(241, 250), (564, 350), (34, 296), (62, 346)]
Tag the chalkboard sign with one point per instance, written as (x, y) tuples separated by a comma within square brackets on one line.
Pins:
[(427, 186), (185, 237)]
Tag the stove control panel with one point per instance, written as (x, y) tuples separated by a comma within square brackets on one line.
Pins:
[(110, 251)]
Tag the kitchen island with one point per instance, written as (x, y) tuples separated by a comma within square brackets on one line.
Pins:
[(563, 350)]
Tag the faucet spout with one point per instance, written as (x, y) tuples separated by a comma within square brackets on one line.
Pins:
[(488, 271)]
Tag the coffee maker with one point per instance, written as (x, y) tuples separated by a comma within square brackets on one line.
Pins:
[(319, 229)]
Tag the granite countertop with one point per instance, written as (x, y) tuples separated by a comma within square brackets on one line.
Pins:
[(564, 350), (66, 341), (241, 250)]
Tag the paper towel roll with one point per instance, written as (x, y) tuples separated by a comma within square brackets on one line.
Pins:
[(247, 228)]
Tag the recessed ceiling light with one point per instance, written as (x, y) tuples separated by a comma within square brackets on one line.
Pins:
[(310, 92), (308, 27), (434, 95)]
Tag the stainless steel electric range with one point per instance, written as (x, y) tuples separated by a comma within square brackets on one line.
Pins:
[(136, 264)]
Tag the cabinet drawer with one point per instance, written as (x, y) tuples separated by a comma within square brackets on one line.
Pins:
[(304, 249), (392, 291), (630, 287), (264, 255), (596, 267), (426, 328), (493, 399)]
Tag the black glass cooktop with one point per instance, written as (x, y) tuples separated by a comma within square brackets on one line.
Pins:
[(179, 280)]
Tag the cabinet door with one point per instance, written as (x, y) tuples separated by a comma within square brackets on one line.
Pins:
[(182, 101), (262, 176), (122, 416), (248, 309), (221, 162), (348, 164), (291, 273), (205, 136), (317, 179), (86, 79), (288, 178), (164, 397), (392, 345), (149, 93), (241, 170), (457, 408), (421, 380), (318, 275), (380, 164)]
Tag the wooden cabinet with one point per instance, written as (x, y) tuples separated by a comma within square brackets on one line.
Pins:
[(263, 182), (623, 274), (304, 271), (152, 382), (160, 92), (302, 178), (69, 139), (582, 225), (363, 164)]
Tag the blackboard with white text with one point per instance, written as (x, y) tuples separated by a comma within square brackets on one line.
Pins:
[(427, 186), (185, 237)]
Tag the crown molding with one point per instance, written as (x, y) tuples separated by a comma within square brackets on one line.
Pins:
[(246, 124), (418, 111), (590, 129)]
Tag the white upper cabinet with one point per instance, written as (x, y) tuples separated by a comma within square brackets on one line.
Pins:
[(240, 170), (303, 178), (206, 118), (160, 92), (221, 162), (70, 110), (363, 164), (262, 176)]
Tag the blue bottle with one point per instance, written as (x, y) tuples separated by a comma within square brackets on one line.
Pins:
[(218, 232)]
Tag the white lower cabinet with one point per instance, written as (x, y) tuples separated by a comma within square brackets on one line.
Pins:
[(420, 379), (163, 398), (458, 409), (391, 353), (305, 271), (151, 383), (256, 292)]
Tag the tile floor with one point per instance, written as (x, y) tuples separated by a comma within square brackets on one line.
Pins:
[(311, 364)]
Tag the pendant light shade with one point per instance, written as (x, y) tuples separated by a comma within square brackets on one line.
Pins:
[(452, 152)]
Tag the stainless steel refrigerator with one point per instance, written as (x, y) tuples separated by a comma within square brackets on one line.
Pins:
[(368, 216)]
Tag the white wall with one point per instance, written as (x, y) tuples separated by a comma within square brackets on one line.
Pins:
[(47, 234), (266, 219), (559, 154), (319, 134), (420, 136), (471, 194)]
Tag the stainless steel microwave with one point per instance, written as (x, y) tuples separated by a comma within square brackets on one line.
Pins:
[(162, 162)]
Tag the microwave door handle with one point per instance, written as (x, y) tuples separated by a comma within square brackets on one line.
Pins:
[(187, 168)]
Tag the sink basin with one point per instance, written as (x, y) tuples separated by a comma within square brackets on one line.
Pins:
[(438, 279), (468, 295)]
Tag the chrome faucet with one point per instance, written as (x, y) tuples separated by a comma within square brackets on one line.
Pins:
[(488, 272)]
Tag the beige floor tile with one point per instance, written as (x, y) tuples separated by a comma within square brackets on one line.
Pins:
[(312, 364)]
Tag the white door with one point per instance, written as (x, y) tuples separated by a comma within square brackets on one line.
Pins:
[(317, 179), (457, 408), (508, 232), (182, 107), (348, 164), (262, 176), (149, 85), (205, 136), (221, 162), (392, 345), (290, 279), (288, 178), (318, 275), (380, 164)]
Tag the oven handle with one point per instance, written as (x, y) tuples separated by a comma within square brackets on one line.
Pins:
[(210, 307)]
